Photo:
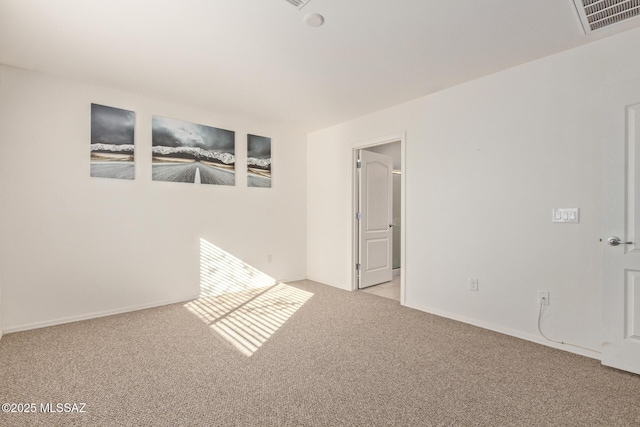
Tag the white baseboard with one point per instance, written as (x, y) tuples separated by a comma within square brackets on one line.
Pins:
[(87, 316), (63, 320), (396, 272), (285, 281), (507, 331), (334, 285)]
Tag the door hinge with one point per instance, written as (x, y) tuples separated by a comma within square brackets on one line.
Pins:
[(358, 267), (358, 215), (358, 163)]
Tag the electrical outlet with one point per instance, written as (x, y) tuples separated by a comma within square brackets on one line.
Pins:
[(269, 258), (543, 297), (473, 284)]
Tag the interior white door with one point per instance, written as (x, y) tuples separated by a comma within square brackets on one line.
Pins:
[(621, 219), (375, 207)]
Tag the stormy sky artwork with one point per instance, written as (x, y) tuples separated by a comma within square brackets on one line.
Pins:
[(112, 142), (192, 153), (258, 161)]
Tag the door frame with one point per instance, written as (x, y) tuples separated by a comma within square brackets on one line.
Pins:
[(354, 206)]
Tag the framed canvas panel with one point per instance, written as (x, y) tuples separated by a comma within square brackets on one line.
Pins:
[(112, 145), (192, 153), (258, 161)]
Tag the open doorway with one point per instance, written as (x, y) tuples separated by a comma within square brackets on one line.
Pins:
[(370, 239)]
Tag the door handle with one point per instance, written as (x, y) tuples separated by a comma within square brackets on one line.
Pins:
[(615, 241)]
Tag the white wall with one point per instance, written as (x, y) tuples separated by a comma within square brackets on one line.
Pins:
[(485, 164), (75, 246)]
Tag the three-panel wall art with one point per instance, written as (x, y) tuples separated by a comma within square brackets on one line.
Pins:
[(180, 151)]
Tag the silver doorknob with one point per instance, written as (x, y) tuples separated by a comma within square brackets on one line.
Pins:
[(615, 241)]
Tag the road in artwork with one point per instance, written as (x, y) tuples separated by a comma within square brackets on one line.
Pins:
[(194, 172)]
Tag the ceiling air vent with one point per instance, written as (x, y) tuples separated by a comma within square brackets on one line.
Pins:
[(298, 3), (597, 14)]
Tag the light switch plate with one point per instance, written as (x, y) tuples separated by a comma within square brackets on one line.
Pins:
[(566, 215)]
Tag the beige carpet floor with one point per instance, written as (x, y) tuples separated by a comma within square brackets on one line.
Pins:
[(303, 354)]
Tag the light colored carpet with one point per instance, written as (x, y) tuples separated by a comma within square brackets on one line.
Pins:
[(321, 357)]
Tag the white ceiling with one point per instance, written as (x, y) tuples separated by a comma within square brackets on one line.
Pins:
[(257, 59)]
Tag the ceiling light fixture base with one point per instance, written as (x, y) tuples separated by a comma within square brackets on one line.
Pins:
[(313, 19)]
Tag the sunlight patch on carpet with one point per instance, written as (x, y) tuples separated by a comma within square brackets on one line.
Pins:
[(239, 302)]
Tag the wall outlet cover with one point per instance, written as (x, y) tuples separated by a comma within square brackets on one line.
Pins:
[(543, 297)]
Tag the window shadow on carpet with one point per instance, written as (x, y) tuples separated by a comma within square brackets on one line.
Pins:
[(239, 302)]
